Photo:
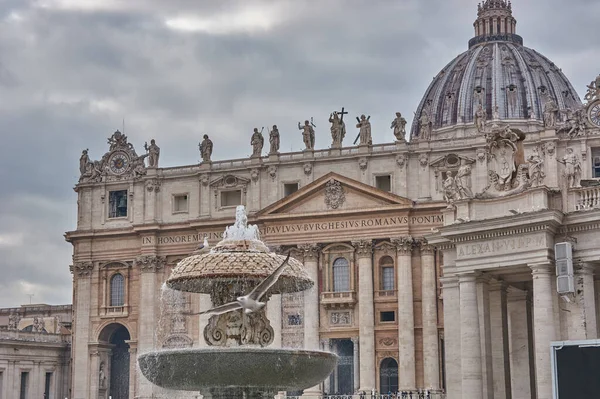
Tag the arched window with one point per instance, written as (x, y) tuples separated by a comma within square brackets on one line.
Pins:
[(341, 275), (388, 375), (387, 273), (117, 290)]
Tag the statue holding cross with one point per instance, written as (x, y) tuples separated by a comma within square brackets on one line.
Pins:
[(338, 128), (364, 134)]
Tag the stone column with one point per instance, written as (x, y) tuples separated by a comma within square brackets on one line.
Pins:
[(543, 327), (80, 383), (585, 273), (326, 346), (366, 318), (274, 316), (311, 306), (483, 305), (148, 265), (133, 371), (94, 355), (356, 363), (452, 339), (471, 368), (518, 343), (499, 341), (431, 353), (406, 318)]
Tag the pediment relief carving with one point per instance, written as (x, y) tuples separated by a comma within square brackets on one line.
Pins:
[(334, 192), (230, 181), (115, 265)]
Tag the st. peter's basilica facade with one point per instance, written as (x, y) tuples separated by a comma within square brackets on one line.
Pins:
[(434, 257)]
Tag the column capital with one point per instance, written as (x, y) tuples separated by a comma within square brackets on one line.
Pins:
[(325, 342), (404, 245), (310, 251), (364, 248), (82, 269), (150, 263), (468, 277), (425, 247), (355, 341), (541, 269)]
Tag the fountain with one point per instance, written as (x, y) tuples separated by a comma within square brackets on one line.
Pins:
[(238, 364)]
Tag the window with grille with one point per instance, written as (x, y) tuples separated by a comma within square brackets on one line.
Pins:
[(294, 320), (387, 273), (24, 385), (117, 204), (117, 290), (341, 275), (596, 163)]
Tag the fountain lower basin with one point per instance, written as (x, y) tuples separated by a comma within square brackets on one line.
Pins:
[(200, 369)]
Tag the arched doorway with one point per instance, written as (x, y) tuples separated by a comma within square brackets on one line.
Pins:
[(388, 375), (117, 336), (342, 379)]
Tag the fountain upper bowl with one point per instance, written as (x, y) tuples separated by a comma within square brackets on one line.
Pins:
[(197, 369)]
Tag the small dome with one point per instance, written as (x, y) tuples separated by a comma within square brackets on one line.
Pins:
[(496, 71)]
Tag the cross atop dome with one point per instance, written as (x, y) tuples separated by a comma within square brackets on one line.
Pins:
[(495, 22)]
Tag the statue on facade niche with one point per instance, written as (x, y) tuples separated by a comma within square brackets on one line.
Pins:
[(102, 376), (153, 153), (424, 126), (480, 118), (576, 121), (206, 148), (536, 168), (572, 168), (399, 126), (364, 132), (463, 180), (550, 112), (338, 129), (274, 140), (84, 160), (308, 134), (450, 189), (257, 142)]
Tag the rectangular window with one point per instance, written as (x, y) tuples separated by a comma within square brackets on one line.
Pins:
[(180, 203), (596, 163), (294, 320), (289, 189), (387, 278), (386, 317), (384, 183), (117, 204), (24, 382), (47, 385), (231, 198)]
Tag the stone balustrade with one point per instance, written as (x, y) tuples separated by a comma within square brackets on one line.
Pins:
[(34, 337), (587, 198), (338, 299)]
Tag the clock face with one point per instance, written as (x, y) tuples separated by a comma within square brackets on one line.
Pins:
[(594, 113), (119, 163)]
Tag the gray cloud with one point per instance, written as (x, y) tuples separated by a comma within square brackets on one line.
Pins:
[(71, 70)]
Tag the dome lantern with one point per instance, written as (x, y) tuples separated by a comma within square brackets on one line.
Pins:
[(495, 22)]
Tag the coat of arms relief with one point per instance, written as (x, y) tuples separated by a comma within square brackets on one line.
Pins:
[(334, 194)]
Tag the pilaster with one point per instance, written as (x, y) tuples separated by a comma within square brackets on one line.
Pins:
[(470, 334), (366, 317), (483, 304), (452, 333), (499, 340), (82, 275), (431, 355), (543, 327), (585, 273), (518, 308), (406, 319), (355, 363), (311, 305)]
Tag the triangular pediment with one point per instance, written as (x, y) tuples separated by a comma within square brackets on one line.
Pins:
[(335, 193)]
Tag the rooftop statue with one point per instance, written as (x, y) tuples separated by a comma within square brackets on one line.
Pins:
[(257, 142), (274, 140), (206, 148), (153, 153), (308, 134), (338, 129), (399, 126)]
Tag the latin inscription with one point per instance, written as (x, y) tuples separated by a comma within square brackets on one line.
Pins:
[(304, 228), (505, 245)]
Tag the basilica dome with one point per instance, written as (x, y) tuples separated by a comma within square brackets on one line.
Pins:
[(496, 71)]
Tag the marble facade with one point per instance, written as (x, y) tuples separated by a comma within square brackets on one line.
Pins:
[(466, 214)]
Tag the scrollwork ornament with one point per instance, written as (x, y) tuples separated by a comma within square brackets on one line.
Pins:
[(153, 185), (363, 163), (255, 174), (401, 160), (425, 246), (387, 341), (310, 251), (334, 194), (550, 148), (424, 160), (205, 179), (307, 169), (150, 263), (481, 155), (273, 172)]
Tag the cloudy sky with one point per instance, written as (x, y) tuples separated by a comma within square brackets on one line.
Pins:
[(72, 70)]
